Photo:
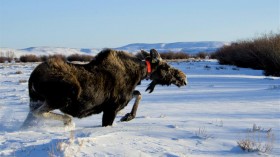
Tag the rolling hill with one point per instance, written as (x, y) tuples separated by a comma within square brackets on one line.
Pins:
[(187, 47)]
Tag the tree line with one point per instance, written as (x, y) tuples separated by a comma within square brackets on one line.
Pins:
[(9, 57)]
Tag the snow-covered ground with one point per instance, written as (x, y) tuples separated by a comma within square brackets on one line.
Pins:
[(219, 107)]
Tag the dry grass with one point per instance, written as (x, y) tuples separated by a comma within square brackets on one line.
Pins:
[(260, 53), (202, 133), (82, 58), (18, 72), (257, 139)]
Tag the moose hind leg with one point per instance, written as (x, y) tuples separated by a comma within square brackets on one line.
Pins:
[(132, 114), (31, 120), (45, 112)]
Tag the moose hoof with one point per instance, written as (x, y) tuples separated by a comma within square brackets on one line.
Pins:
[(127, 117), (69, 125), (68, 121)]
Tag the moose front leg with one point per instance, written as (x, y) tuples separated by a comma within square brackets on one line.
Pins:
[(108, 118), (132, 114)]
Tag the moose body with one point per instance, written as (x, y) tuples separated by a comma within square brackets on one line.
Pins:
[(106, 84)]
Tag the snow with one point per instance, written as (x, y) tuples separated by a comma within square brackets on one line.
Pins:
[(206, 118)]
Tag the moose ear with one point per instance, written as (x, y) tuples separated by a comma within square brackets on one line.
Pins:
[(145, 53), (155, 57)]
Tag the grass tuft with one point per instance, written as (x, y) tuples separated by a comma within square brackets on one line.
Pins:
[(257, 139)]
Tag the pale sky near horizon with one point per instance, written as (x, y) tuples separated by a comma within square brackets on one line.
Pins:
[(115, 23)]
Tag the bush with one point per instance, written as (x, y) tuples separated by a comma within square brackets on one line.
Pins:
[(29, 58), (201, 55), (34, 58), (165, 55), (3, 59), (174, 55), (7, 56), (261, 53), (77, 57)]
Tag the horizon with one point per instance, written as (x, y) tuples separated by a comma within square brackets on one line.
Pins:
[(95, 24), (107, 47)]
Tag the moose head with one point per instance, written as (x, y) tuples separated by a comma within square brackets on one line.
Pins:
[(162, 73)]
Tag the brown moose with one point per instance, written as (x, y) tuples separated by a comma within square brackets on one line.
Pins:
[(106, 84)]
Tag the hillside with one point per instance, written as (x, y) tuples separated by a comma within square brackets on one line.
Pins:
[(188, 47)]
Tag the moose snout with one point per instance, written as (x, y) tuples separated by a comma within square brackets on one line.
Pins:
[(181, 82), (185, 82)]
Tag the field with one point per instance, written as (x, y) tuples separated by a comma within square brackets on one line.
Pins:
[(220, 106)]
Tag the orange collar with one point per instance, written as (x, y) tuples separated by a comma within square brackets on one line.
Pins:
[(149, 69)]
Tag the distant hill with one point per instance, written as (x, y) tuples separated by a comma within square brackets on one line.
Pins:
[(187, 47)]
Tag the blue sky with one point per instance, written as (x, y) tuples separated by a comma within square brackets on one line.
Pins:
[(114, 23)]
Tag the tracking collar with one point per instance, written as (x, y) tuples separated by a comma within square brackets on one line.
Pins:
[(149, 69)]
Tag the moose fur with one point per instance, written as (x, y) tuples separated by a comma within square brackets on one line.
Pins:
[(106, 84)]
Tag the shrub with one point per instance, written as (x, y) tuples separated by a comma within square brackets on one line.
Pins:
[(260, 53), (29, 58), (174, 55), (201, 55), (3, 59), (34, 58), (7, 56)]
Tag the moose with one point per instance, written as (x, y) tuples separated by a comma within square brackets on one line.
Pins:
[(106, 84)]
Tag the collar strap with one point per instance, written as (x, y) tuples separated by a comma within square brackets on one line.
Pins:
[(149, 69)]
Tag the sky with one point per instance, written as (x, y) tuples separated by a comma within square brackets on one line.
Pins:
[(115, 23)]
